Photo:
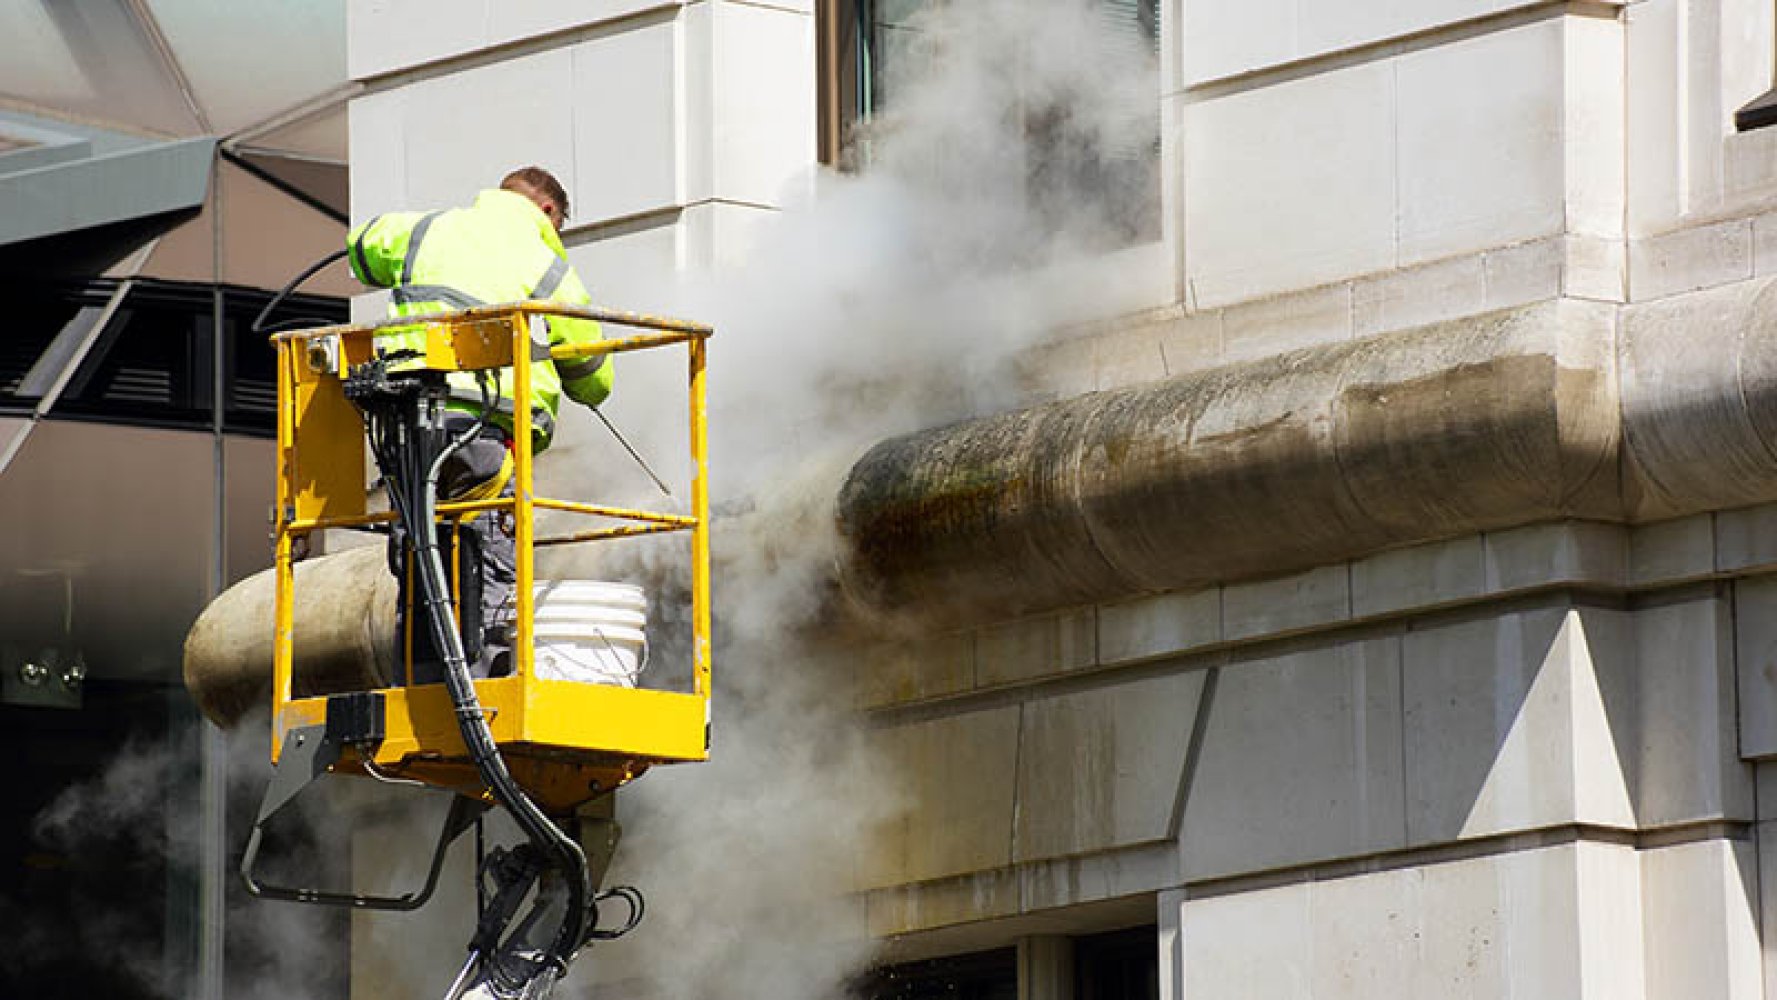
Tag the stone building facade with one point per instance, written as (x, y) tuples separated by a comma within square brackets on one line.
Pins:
[(1424, 647)]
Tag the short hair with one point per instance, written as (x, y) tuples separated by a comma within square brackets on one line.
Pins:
[(539, 181)]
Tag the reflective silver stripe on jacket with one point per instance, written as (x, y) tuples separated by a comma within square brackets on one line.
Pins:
[(413, 244), (551, 280), (572, 369), (358, 250), (540, 418), (408, 295)]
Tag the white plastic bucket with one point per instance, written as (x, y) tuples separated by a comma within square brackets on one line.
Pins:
[(590, 631)]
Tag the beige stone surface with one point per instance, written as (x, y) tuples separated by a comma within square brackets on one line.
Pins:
[(1155, 626), (962, 774), (1301, 761), (1100, 768), (1547, 922), (1701, 929), (1035, 647), (1689, 766), (1419, 577), (1517, 721)]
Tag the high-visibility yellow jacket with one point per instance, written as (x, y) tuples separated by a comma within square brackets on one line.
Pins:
[(502, 249)]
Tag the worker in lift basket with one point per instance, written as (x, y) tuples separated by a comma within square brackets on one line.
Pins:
[(504, 248)]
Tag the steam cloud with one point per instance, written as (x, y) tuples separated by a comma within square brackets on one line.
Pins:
[(1014, 149), (1009, 154)]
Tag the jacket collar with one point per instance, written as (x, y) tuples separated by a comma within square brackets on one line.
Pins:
[(502, 200)]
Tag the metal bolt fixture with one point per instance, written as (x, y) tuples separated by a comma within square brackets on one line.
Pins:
[(74, 674), (33, 673)]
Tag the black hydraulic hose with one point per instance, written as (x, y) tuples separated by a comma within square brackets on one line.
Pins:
[(472, 721), (259, 326)]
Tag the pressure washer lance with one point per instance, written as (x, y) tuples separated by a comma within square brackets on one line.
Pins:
[(633, 453)]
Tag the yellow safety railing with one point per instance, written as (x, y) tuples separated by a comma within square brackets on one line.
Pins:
[(320, 483)]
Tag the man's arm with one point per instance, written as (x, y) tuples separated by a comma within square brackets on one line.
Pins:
[(586, 380), (377, 248)]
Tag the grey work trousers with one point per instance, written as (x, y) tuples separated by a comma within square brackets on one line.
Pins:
[(496, 553)]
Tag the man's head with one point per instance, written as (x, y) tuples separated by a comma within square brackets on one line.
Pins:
[(540, 186)]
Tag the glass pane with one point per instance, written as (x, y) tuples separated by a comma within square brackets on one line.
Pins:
[(90, 57)]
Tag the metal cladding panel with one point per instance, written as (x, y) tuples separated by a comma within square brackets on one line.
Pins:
[(109, 532), (81, 194)]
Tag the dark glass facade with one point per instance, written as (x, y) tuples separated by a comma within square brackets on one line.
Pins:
[(134, 440)]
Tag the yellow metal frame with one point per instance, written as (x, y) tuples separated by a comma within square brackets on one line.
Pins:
[(564, 742)]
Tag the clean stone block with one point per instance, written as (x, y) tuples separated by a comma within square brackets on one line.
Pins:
[(1508, 926), (1690, 768), (378, 180), (1517, 721), (1155, 626), (893, 673), (1419, 295), (1221, 39), (1300, 762), (1595, 268), (1746, 538), (1689, 259), (1672, 550), (959, 774), (1511, 925), (633, 267), (1291, 185), (1528, 272), (1480, 151), (396, 34), (1272, 326), (1608, 885), (1571, 552), (1101, 768), (625, 127), (1374, 946), (497, 103), (1592, 126), (763, 134), (1419, 577), (1316, 598), (1755, 654), (1249, 945), (1326, 28), (1701, 913), (1035, 647), (1657, 151), (391, 35)]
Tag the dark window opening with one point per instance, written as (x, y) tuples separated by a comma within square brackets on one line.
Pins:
[(1122, 965), (987, 975), (154, 361)]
